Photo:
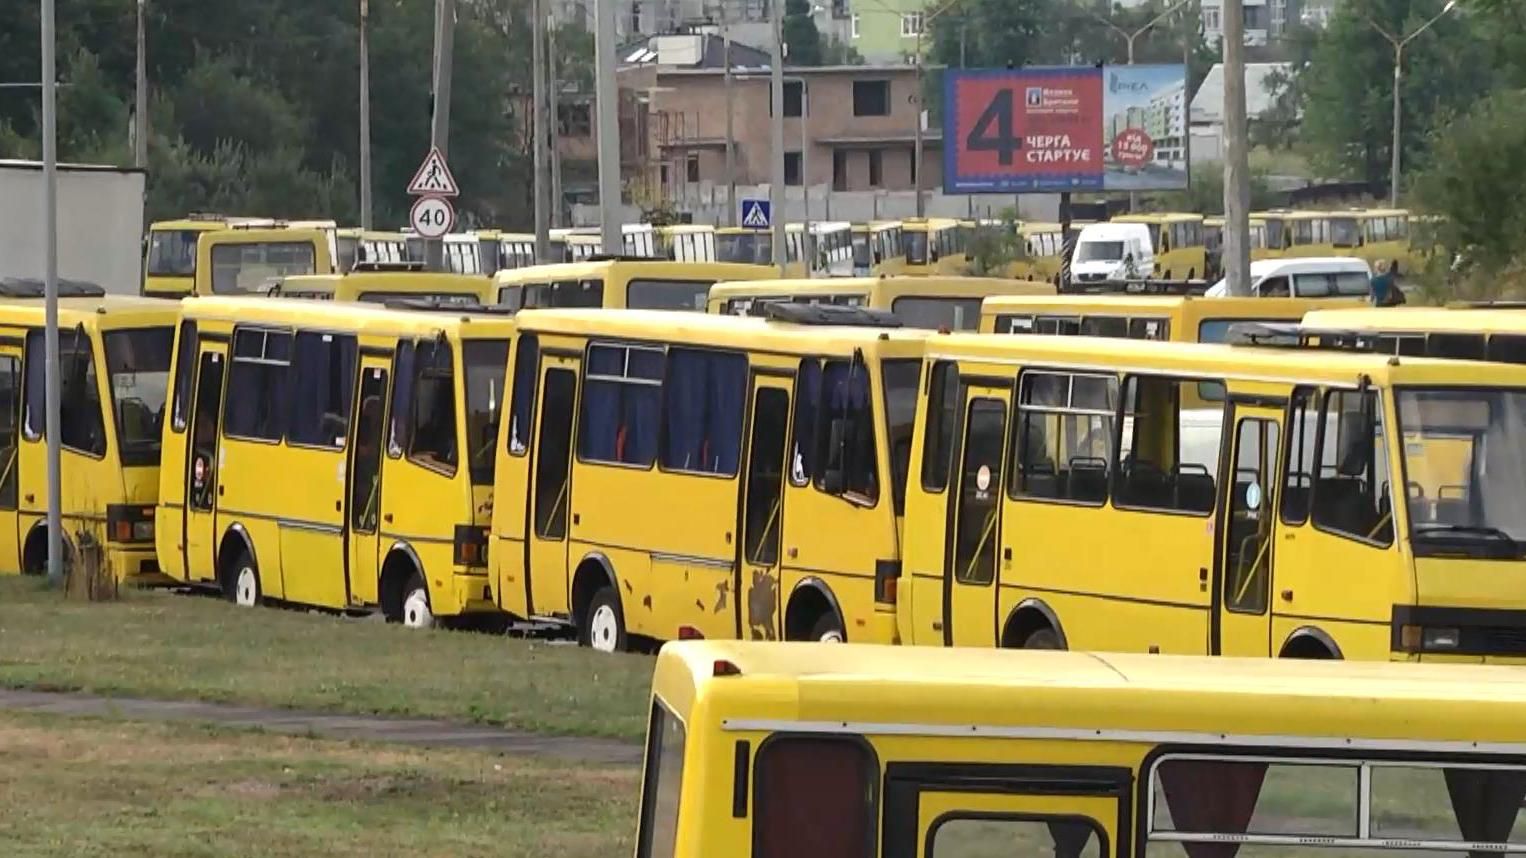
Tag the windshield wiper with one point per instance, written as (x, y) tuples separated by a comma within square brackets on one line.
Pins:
[(1463, 530)]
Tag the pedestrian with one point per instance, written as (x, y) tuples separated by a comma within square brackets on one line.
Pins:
[(1382, 285)]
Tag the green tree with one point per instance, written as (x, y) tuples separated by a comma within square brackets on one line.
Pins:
[(802, 41), (995, 34)]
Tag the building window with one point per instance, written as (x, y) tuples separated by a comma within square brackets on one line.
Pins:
[(1211, 20), (791, 168), (839, 170), (853, 27), (693, 168), (876, 168), (911, 166), (794, 101), (871, 98), (911, 24), (1255, 17)]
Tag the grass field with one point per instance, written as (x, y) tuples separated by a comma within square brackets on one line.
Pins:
[(76, 787), (162, 645)]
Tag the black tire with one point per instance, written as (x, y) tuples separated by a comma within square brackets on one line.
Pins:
[(1044, 638), (602, 625), (241, 584), (828, 629)]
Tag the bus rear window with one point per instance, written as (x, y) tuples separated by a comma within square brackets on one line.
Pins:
[(564, 293), (172, 253), (138, 362), (667, 294), (486, 362), (815, 796), (663, 784), (250, 267), (953, 314)]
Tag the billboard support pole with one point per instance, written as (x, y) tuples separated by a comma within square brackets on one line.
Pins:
[(1065, 241)]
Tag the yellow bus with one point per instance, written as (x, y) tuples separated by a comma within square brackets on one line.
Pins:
[(1044, 252), (933, 246), (877, 248), (668, 476), (1180, 252), (1177, 318), (114, 358), (169, 265), (383, 285), (355, 247), (747, 246), (1293, 234), (1373, 235), (859, 752), (334, 455), (639, 284), (685, 242), (1069, 497), (933, 302), (244, 260), (1464, 332), (1213, 241)]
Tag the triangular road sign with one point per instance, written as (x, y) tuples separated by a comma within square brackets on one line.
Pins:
[(753, 216), (433, 178)]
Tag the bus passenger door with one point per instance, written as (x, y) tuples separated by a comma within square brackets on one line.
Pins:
[(363, 566), (970, 590), (203, 466), (10, 460), (551, 494), (958, 811), (759, 603), (1241, 619)]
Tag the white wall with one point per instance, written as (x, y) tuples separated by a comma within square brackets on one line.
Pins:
[(100, 224)]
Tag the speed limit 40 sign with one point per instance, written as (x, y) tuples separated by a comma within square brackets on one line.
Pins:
[(432, 217)]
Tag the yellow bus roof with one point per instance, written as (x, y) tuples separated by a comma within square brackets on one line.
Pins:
[(1475, 320), (1215, 360), (107, 311), (748, 333), (1250, 308), (347, 316), (1157, 217), (888, 286), (423, 282), (659, 268), (1126, 697)]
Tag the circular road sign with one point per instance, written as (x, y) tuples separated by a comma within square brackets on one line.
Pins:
[(432, 217)]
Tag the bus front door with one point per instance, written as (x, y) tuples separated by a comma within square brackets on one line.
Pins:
[(1241, 619), (970, 591), (10, 460), (949, 811), (363, 566), (551, 494), (203, 464), (763, 509)]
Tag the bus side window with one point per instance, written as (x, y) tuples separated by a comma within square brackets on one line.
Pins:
[(522, 407), (432, 421), (186, 350), (1169, 459), (84, 430), (1064, 436), (815, 797), (1351, 493), (258, 399), (402, 399), (322, 389), (803, 445), (845, 434), (622, 397), (944, 397)]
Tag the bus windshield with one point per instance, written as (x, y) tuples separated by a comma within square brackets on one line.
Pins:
[(1345, 232), (751, 248), (172, 253), (138, 362), (251, 267), (667, 294), (485, 362), (1465, 463), (915, 245), (861, 255)]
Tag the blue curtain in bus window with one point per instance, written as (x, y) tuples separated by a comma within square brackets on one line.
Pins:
[(322, 390), (727, 391), (807, 401), (642, 407), (402, 399), (601, 404), (683, 447)]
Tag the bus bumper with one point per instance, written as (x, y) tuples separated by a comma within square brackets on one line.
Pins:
[(882, 628), (135, 565), (471, 592)]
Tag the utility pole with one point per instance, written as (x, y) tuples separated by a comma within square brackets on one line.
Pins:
[(540, 131), (731, 145), (365, 115), (776, 86), (606, 97), (554, 97), (916, 144), (807, 245), (140, 103), (1236, 154), (52, 430), (439, 136)]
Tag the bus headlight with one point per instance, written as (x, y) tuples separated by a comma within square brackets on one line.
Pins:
[(1434, 639)]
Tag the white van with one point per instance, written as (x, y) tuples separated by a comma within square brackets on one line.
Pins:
[(1113, 251), (1313, 277)]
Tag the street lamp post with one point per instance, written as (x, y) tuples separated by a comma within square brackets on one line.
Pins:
[(365, 115), (1399, 44)]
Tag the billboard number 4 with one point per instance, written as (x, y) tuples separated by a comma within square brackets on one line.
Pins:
[(1001, 138)]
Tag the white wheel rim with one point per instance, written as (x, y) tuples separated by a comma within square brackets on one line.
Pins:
[(247, 590), (833, 636), (603, 629), (416, 613)]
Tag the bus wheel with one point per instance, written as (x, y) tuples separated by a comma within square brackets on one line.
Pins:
[(416, 612), (245, 592), (1191, 272), (1044, 638), (602, 628), (827, 629)]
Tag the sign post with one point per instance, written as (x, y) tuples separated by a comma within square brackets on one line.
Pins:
[(757, 214)]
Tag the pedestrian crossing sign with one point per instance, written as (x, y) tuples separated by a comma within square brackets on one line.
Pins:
[(433, 178), (756, 214)]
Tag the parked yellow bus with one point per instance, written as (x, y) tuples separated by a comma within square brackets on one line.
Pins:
[(114, 361), (1294, 234), (244, 260), (334, 455), (858, 752), (639, 284), (933, 302), (1177, 318), (1374, 235), (169, 265), (1464, 332), (669, 476), (1180, 252), (382, 286), (877, 248), (1069, 498), (356, 247), (933, 246), (1213, 241), (1044, 252), (685, 242)]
